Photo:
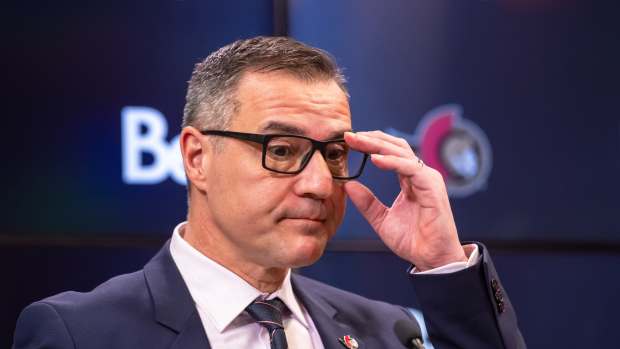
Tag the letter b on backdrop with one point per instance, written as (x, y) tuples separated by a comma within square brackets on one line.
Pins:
[(144, 132)]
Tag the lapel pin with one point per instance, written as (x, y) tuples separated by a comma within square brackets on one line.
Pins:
[(349, 342)]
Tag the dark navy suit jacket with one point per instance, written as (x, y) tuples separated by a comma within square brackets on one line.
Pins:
[(152, 308)]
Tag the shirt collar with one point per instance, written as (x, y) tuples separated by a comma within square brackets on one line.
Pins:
[(219, 292)]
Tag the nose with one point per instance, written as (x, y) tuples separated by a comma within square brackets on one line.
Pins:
[(315, 180)]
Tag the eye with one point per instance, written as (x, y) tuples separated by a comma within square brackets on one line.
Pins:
[(282, 151), (336, 153)]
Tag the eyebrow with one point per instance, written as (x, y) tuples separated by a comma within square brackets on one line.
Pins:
[(296, 131)]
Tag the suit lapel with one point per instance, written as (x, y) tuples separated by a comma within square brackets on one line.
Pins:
[(323, 314), (192, 335), (173, 305)]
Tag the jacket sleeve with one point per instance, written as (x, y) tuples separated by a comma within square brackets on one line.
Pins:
[(40, 326), (468, 308)]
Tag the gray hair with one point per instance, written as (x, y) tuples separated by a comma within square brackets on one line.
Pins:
[(210, 101)]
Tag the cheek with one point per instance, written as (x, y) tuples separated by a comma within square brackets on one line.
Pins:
[(249, 197), (267, 188)]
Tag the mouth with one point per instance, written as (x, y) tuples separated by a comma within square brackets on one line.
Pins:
[(305, 219), (305, 212), (305, 226)]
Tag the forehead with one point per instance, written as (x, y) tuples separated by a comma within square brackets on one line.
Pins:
[(277, 102)]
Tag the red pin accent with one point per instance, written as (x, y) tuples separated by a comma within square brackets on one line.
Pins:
[(349, 342)]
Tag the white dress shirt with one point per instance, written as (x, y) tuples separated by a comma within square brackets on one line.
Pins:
[(221, 297)]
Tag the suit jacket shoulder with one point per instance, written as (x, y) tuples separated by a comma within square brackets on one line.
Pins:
[(81, 320), (149, 308)]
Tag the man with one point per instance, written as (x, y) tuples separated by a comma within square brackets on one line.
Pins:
[(270, 157)]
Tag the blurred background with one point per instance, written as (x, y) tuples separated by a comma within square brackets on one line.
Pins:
[(514, 101)]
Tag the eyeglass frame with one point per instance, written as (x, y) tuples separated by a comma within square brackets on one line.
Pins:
[(264, 139)]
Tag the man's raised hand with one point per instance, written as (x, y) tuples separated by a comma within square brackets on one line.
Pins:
[(419, 226)]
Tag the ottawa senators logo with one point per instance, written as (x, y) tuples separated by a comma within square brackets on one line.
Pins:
[(454, 146)]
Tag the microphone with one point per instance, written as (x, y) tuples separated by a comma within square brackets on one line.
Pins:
[(409, 334)]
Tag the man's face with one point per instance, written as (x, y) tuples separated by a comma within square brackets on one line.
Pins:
[(271, 219)]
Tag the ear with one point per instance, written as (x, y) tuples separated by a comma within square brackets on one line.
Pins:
[(196, 152)]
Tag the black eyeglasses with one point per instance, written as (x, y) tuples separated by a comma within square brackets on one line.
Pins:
[(290, 153)]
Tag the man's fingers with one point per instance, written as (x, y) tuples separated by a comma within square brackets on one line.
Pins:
[(386, 137), (419, 175), (374, 145), (366, 202)]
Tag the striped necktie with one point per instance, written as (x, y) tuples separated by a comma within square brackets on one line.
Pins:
[(269, 315)]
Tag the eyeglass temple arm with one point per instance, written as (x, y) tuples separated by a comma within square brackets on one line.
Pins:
[(238, 135)]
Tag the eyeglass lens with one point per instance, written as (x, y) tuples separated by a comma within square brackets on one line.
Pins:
[(289, 154)]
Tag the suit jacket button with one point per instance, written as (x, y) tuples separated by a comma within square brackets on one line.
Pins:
[(494, 284), (500, 307), (499, 296)]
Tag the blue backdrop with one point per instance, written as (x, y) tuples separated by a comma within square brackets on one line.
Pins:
[(513, 100), (515, 105)]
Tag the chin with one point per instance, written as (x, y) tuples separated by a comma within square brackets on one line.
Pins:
[(303, 241), (307, 252)]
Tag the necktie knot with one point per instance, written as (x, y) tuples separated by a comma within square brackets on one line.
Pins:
[(269, 315)]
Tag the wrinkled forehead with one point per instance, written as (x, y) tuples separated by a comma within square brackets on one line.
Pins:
[(277, 102), (289, 127)]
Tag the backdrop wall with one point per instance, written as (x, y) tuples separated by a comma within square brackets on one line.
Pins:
[(512, 100)]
